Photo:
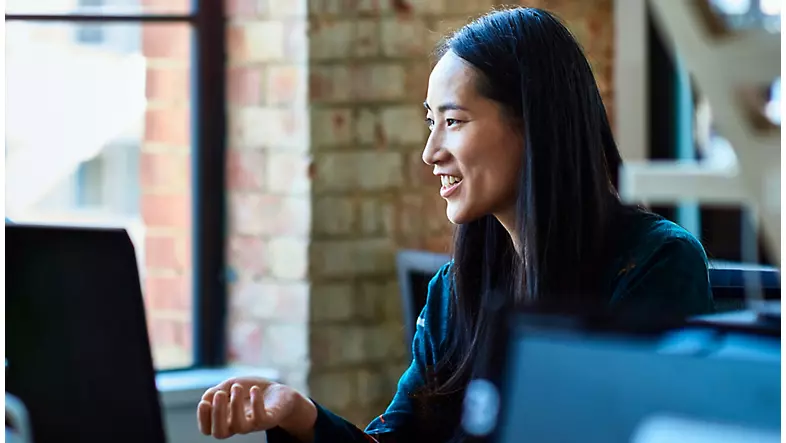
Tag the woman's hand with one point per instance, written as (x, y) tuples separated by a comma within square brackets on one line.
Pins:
[(249, 404)]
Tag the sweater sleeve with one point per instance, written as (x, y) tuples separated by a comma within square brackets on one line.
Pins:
[(329, 427)]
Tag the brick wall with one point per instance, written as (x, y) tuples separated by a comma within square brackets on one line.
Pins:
[(325, 180), (269, 185), (165, 182)]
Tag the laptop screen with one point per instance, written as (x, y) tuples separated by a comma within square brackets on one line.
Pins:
[(572, 385), (77, 350)]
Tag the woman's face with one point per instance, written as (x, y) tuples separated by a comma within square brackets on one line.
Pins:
[(474, 147)]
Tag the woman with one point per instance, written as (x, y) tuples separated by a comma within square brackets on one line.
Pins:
[(527, 162)]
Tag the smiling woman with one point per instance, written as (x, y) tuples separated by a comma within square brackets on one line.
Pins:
[(522, 144)]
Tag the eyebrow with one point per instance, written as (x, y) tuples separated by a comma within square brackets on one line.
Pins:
[(449, 106)]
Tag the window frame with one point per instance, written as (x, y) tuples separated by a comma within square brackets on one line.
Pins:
[(208, 118)]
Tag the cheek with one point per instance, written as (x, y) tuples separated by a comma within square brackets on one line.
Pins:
[(488, 154), (496, 173), (509, 172), (491, 174)]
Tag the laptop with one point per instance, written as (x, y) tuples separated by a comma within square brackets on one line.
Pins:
[(77, 350), (569, 380)]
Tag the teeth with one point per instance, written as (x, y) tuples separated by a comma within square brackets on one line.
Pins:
[(448, 180)]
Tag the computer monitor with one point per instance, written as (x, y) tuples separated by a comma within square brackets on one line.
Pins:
[(565, 383), (77, 349), (731, 282)]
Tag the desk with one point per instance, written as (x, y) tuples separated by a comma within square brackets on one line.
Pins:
[(767, 318)]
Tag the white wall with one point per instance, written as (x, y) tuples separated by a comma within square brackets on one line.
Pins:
[(630, 79)]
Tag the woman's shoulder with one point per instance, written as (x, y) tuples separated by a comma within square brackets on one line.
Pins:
[(653, 236), (439, 288), (442, 276), (663, 270), (651, 242), (433, 317)]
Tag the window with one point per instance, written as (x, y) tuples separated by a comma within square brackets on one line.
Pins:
[(90, 33), (680, 119), (749, 14), (115, 117)]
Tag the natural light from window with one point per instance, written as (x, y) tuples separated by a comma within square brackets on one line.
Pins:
[(98, 133)]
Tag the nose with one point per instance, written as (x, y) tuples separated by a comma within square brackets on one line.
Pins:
[(432, 153)]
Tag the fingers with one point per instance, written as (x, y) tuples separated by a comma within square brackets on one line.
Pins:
[(220, 418), (240, 406), (239, 423), (204, 411), (227, 384), (259, 418), (208, 395)]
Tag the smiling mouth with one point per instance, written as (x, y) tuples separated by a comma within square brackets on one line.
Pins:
[(449, 181), (449, 184)]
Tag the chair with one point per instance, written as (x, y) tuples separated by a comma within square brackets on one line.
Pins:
[(415, 269), (727, 279)]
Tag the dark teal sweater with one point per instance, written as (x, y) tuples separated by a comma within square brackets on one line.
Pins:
[(660, 272)]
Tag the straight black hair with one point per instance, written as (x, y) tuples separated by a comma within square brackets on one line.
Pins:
[(528, 62)]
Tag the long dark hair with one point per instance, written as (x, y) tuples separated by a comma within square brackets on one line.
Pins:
[(529, 63)]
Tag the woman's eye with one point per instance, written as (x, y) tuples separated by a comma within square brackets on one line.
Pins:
[(429, 123), (451, 121)]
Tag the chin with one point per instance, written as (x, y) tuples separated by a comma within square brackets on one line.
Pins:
[(457, 215)]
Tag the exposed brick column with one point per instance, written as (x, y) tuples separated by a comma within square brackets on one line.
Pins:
[(165, 182), (269, 189)]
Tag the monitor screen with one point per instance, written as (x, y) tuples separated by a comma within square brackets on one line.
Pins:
[(77, 350), (415, 271), (563, 386)]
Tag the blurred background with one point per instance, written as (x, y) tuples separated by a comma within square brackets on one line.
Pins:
[(268, 169)]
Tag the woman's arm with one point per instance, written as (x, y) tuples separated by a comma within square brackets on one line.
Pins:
[(327, 427), (396, 422)]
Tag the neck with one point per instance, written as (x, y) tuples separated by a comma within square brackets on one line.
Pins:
[(508, 220)]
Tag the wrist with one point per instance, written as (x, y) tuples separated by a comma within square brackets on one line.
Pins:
[(300, 422)]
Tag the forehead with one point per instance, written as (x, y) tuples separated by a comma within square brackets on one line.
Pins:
[(451, 79)]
